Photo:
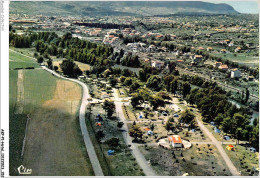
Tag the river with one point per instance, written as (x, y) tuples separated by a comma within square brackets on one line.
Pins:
[(255, 113)]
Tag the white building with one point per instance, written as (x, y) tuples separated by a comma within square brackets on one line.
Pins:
[(235, 73), (157, 64), (175, 141)]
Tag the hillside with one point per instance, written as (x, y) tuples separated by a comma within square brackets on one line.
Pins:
[(95, 8)]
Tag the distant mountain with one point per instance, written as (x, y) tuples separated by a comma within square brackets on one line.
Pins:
[(96, 8)]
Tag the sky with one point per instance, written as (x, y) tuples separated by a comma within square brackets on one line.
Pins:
[(250, 6)]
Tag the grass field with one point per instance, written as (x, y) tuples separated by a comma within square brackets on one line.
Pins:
[(17, 124), (19, 61), (122, 163), (244, 160), (25, 51), (53, 145), (201, 160)]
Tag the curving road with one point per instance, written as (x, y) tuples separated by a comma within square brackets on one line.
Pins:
[(88, 143)]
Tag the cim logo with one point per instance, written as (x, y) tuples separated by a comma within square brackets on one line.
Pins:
[(22, 170)]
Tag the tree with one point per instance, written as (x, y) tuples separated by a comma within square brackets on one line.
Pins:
[(69, 68), (113, 142), (40, 59), (240, 134), (136, 100), (156, 101), (169, 126), (113, 81), (135, 85), (142, 75), (49, 63), (136, 132), (99, 135), (154, 82), (185, 89), (187, 117), (172, 66), (247, 95), (56, 68), (227, 125), (109, 107), (120, 125)]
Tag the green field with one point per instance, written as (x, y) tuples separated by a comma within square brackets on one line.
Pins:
[(39, 86), (244, 160), (17, 122), (19, 61)]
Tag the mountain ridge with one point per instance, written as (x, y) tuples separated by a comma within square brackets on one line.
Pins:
[(96, 8)]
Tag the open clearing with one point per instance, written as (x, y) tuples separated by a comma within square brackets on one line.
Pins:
[(54, 144), (244, 160), (199, 160), (82, 66)]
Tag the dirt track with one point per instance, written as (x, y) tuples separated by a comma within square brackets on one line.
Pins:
[(20, 93), (53, 144)]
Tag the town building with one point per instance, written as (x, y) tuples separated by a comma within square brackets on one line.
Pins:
[(175, 141), (223, 67), (235, 73)]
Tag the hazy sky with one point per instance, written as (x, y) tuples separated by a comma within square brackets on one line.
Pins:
[(241, 6)]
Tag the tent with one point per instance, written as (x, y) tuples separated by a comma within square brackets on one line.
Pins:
[(252, 149), (175, 115), (212, 123), (147, 129), (226, 137), (164, 113), (98, 124), (99, 118), (216, 130), (140, 116), (230, 147), (150, 132), (110, 152)]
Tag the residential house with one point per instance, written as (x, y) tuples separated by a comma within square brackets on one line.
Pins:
[(157, 64), (196, 58), (237, 49), (209, 48), (235, 73), (250, 78), (250, 45), (223, 51), (217, 64), (223, 67)]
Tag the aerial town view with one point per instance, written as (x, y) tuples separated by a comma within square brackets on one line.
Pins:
[(134, 88)]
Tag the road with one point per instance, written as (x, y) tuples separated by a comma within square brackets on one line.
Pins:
[(88, 143), (143, 163), (219, 83), (222, 152)]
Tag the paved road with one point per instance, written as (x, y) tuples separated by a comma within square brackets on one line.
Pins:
[(222, 152), (219, 83), (143, 163), (88, 143)]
